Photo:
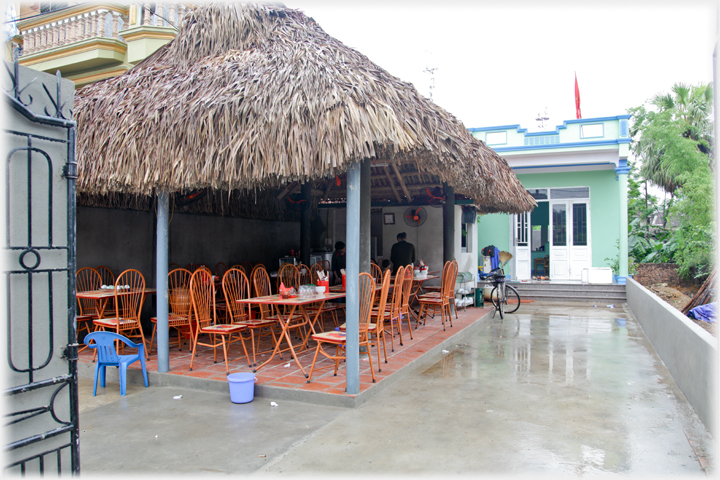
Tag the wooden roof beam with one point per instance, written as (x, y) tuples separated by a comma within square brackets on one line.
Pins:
[(392, 184), (287, 190), (402, 183)]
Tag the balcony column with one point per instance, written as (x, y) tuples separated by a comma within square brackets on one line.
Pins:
[(62, 32), (146, 14), (53, 31), (88, 28), (159, 12), (93, 24), (181, 14), (43, 37), (172, 14), (27, 41), (116, 15)]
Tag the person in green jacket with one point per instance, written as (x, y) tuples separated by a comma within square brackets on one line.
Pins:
[(402, 253)]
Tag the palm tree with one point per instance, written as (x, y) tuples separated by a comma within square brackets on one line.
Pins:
[(687, 108)]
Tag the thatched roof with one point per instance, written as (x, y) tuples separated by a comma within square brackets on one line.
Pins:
[(256, 96)]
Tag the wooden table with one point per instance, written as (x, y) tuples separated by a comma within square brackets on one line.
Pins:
[(287, 321), (104, 294)]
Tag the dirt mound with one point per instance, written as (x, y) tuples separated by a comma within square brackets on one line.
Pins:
[(678, 295)]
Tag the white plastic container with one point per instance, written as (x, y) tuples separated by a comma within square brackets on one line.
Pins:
[(601, 275)]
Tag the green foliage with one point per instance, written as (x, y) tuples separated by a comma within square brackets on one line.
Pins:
[(614, 262), (672, 137)]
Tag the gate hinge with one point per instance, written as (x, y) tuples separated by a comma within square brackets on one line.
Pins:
[(70, 348), (70, 170)]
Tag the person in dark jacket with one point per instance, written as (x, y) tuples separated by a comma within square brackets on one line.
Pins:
[(338, 262), (402, 253)]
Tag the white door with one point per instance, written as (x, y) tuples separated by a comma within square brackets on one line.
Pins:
[(569, 239), (559, 241), (579, 239), (521, 234)]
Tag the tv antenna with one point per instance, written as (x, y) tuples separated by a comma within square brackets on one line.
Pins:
[(542, 118), (431, 71)]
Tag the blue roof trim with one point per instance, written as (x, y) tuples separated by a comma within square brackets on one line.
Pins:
[(565, 165), (503, 127), (601, 143), (557, 128)]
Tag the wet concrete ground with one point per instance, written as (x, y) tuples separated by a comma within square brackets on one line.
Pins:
[(554, 389)]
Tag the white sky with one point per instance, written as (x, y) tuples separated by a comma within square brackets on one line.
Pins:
[(502, 63)]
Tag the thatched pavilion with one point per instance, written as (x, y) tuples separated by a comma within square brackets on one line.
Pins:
[(255, 99)]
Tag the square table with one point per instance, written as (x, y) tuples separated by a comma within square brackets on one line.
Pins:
[(286, 321)]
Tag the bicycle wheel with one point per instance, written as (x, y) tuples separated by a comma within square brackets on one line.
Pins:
[(511, 296), (496, 296)]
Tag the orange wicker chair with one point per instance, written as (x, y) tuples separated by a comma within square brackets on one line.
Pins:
[(393, 309), (289, 276), (220, 269), (247, 266), (316, 267), (179, 314), (304, 275), (367, 294), (202, 293), (86, 279), (126, 320), (252, 271), (405, 305), (431, 302), (376, 272), (235, 285)]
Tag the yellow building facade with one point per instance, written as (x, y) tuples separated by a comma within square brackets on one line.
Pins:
[(92, 42)]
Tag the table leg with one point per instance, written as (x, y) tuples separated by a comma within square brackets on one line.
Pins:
[(311, 322)]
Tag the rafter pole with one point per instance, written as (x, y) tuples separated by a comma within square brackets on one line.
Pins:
[(287, 190), (402, 183), (392, 184)]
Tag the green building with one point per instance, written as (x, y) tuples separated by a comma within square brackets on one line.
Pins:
[(578, 175)]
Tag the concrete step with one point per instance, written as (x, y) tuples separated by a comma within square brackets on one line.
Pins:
[(571, 292)]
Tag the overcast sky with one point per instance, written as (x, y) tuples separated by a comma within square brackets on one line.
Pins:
[(502, 63)]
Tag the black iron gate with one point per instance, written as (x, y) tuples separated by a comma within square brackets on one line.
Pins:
[(39, 271)]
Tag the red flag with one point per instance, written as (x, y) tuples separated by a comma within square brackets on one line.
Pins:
[(577, 99)]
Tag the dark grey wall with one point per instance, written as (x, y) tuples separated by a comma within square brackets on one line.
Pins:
[(122, 239)]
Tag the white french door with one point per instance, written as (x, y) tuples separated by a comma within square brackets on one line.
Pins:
[(569, 239), (521, 240)]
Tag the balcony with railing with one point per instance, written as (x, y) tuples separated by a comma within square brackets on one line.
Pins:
[(86, 38)]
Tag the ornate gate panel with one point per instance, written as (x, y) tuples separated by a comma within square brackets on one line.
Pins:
[(41, 421)]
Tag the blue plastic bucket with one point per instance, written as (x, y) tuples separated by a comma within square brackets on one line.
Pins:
[(242, 387)]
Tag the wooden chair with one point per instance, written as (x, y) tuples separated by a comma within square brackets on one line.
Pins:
[(241, 268), (367, 294), (289, 276), (316, 267), (252, 278), (128, 306), (180, 306), (235, 285), (431, 302), (376, 272), (191, 266), (108, 278), (393, 310), (220, 269), (202, 293), (304, 275), (247, 266), (405, 304), (173, 266), (86, 279)]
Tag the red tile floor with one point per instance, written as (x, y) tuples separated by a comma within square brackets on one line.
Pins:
[(284, 373)]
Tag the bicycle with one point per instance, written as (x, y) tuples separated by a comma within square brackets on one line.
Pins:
[(502, 292)]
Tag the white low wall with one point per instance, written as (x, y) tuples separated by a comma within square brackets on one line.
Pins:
[(688, 351)]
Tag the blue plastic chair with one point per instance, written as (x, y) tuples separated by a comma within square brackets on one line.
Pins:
[(108, 357)]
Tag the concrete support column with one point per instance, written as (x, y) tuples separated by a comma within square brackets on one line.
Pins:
[(449, 224), (306, 190), (364, 216), (622, 176), (352, 286), (163, 217)]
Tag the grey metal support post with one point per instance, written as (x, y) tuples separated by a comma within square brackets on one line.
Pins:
[(365, 216), (352, 282), (306, 190), (449, 224), (163, 347)]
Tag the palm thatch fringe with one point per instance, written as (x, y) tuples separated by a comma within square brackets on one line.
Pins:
[(259, 205), (250, 96)]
